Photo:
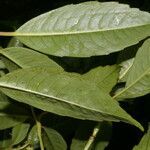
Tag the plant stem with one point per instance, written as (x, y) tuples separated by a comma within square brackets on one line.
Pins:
[(92, 137), (39, 127), (22, 147)]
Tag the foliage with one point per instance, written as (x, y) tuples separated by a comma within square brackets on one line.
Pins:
[(59, 89)]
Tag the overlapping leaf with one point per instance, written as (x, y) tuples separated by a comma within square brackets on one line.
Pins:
[(64, 94), (104, 77), (125, 68), (33, 139), (138, 81), (25, 58), (85, 29), (19, 133), (53, 140)]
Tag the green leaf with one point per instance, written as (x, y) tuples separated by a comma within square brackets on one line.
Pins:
[(125, 68), (2, 65), (9, 64), (144, 143), (11, 113), (104, 77), (138, 81), (25, 58), (125, 60), (19, 133), (85, 29), (33, 137), (14, 42), (64, 94), (53, 140), (84, 131)]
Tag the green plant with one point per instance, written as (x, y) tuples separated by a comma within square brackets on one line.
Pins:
[(48, 71)]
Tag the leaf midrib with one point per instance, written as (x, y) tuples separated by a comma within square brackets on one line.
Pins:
[(125, 72), (67, 33), (59, 99)]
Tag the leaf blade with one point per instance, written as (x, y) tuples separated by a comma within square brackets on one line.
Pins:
[(26, 58), (19, 133), (66, 95), (85, 30), (139, 76), (53, 140)]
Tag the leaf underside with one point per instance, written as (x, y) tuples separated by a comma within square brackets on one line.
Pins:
[(86, 29), (63, 94)]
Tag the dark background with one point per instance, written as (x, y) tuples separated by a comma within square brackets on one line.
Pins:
[(13, 13)]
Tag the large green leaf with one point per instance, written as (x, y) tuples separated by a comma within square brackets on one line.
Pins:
[(62, 93), (19, 132), (11, 113), (144, 143), (138, 81), (85, 29), (53, 140), (25, 58)]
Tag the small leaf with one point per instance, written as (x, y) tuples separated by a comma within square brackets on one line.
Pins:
[(144, 143), (85, 29), (19, 132), (125, 60), (53, 140), (33, 137), (64, 94), (138, 81)]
